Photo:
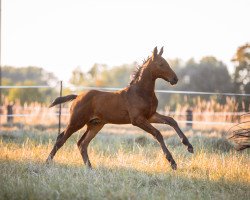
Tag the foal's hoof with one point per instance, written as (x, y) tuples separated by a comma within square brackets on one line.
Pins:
[(174, 166), (190, 149), (48, 161)]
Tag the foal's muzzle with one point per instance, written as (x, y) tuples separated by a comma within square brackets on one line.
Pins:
[(174, 81)]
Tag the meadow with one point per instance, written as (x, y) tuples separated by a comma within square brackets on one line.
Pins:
[(128, 164)]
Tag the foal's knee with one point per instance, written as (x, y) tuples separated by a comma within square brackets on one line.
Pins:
[(158, 136)]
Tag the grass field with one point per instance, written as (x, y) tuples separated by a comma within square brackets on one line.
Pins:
[(128, 164)]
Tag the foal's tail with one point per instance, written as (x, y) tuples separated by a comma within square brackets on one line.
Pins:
[(63, 99)]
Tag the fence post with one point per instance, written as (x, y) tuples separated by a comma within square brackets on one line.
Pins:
[(189, 118), (0, 61), (60, 111)]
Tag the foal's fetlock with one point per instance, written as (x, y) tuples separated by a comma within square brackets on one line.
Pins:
[(88, 165), (186, 143), (48, 160), (173, 165)]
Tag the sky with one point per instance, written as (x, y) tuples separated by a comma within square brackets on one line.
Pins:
[(60, 35)]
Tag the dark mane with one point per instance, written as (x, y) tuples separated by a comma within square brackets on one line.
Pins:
[(136, 73)]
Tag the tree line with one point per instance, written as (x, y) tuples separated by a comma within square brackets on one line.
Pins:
[(208, 74), (27, 76)]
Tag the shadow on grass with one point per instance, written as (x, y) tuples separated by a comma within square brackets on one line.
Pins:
[(29, 179)]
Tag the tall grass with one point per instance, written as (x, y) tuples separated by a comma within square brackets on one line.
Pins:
[(126, 166)]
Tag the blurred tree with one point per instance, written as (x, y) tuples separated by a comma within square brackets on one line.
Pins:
[(28, 76), (241, 76), (242, 68), (118, 76), (20, 74), (208, 75), (102, 76), (78, 77), (96, 78), (26, 95)]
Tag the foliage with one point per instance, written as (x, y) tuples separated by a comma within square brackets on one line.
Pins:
[(242, 68), (241, 75), (26, 95), (207, 75), (102, 76), (21, 74), (77, 77), (28, 76)]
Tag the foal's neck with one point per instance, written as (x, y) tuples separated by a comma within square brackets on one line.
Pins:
[(146, 81)]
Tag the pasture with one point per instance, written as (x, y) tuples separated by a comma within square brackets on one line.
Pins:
[(128, 164)]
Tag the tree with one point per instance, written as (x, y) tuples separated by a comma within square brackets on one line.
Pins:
[(21, 74), (26, 95), (242, 68), (118, 76), (102, 76), (78, 77), (28, 76), (95, 73), (207, 75), (242, 74)]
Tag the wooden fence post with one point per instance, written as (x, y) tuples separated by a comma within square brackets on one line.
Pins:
[(189, 118), (60, 111)]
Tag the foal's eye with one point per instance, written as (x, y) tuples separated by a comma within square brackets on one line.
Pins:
[(161, 64)]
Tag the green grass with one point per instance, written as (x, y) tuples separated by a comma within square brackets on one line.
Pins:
[(126, 166)]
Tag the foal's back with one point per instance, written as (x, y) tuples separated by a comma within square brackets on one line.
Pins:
[(104, 107)]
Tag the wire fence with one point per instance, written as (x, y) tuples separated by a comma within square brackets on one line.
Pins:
[(184, 115)]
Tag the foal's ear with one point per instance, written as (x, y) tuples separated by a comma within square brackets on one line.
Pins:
[(161, 52), (154, 53)]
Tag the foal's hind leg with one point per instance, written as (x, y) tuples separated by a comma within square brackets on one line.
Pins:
[(84, 141), (157, 118), (61, 139)]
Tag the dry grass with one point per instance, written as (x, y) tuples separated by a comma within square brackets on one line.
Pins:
[(127, 166)]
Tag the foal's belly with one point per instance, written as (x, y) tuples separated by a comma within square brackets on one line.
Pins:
[(111, 108), (113, 116)]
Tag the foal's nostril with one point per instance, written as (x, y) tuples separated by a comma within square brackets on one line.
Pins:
[(174, 81)]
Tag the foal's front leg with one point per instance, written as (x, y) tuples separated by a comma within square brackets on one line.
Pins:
[(144, 124), (161, 119)]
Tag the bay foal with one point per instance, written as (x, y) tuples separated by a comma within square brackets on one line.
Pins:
[(135, 104)]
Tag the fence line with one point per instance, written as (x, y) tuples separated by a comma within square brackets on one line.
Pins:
[(114, 89), (157, 91), (164, 91), (31, 115), (179, 121), (166, 113)]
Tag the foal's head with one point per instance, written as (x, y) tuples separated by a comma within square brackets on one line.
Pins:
[(161, 68)]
